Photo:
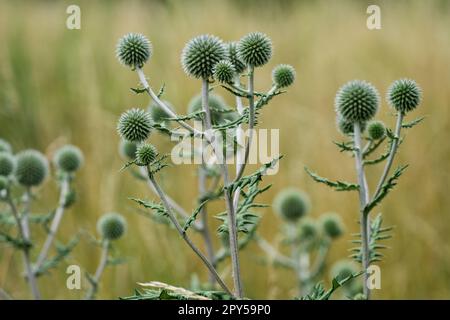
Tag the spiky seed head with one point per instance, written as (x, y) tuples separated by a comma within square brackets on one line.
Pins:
[(5, 146), (332, 225), (158, 114), (376, 130), (7, 163), (135, 125), (69, 158), (292, 204), (404, 95), (308, 229), (232, 53), (357, 101), (283, 75), (201, 54), (216, 103), (127, 149), (255, 49), (145, 154), (111, 226), (134, 50), (224, 71), (346, 127), (343, 269), (31, 168)]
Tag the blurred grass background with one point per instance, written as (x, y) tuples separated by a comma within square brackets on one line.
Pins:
[(59, 85)]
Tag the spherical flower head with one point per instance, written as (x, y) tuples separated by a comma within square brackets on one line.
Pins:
[(111, 226), (357, 101), (217, 106), (5, 146), (4, 183), (31, 168), (347, 127), (68, 159), (127, 149), (158, 114), (308, 229), (224, 71), (376, 130), (292, 204), (233, 56), (201, 54), (135, 125), (343, 269), (255, 49), (332, 225), (283, 75), (404, 95), (7, 164), (133, 50), (145, 154)]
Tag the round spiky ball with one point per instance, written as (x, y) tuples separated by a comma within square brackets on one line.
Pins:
[(7, 163), (346, 127), (158, 114), (343, 269), (68, 158), (292, 204), (376, 130), (133, 50), (145, 154), (232, 52), (332, 225), (5, 146), (404, 95), (224, 71), (4, 183), (31, 168), (308, 229), (135, 125), (216, 103), (255, 49), (357, 101), (283, 75), (127, 149), (201, 54), (111, 226)]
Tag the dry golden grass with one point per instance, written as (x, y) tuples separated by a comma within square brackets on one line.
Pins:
[(58, 85)]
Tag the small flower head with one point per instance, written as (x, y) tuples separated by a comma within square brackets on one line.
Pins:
[(7, 164), (201, 54), (332, 225), (217, 106), (158, 114), (404, 95), (255, 49), (376, 130), (127, 149), (343, 269), (68, 158), (292, 204), (346, 127), (5, 146), (135, 125), (31, 169), (145, 154), (308, 229), (111, 226), (4, 184), (283, 75), (232, 52), (133, 50), (357, 101), (224, 71)]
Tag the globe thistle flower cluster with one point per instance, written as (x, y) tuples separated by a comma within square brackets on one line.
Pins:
[(32, 168), (135, 125), (145, 154), (343, 269), (332, 225), (308, 230), (224, 71), (283, 75), (127, 149), (233, 56), (292, 204), (404, 95), (376, 130), (68, 159), (7, 164), (346, 127), (111, 226), (133, 50), (255, 49)]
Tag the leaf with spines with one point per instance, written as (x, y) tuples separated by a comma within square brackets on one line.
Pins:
[(318, 292), (411, 124), (337, 185), (345, 146), (193, 216)]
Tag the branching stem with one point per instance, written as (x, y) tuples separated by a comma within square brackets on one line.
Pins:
[(99, 272)]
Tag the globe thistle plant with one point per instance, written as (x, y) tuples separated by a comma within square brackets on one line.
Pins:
[(111, 226), (135, 125), (145, 154), (7, 164), (255, 49), (31, 169), (133, 50), (68, 159), (233, 57), (404, 95), (332, 225), (346, 127), (376, 130), (283, 75), (224, 71), (127, 149), (292, 204)]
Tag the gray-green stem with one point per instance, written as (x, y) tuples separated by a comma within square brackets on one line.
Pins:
[(99, 272)]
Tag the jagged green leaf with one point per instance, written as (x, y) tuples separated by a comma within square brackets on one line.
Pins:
[(337, 185)]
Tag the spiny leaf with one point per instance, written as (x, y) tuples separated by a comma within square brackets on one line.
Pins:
[(413, 123), (337, 185), (373, 147), (344, 146), (138, 90), (193, 217)]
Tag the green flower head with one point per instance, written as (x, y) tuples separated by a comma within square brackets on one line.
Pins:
[(133, 50), (376, 130), (145, 154), (7, 164), (111, 226), (332, 225), (68, 158), (135, 125), (404, 95), (5, 146), (255, 49), (31, 169), (232, 52), (283, 75), (224, 71), (292, 204)]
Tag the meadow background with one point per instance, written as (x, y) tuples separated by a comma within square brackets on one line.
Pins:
[(59, 85)]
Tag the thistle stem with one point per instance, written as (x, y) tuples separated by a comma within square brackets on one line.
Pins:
[(273, 253), (55, 224), (232, 228), (99, 272), (183, 234), (363, 200)]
